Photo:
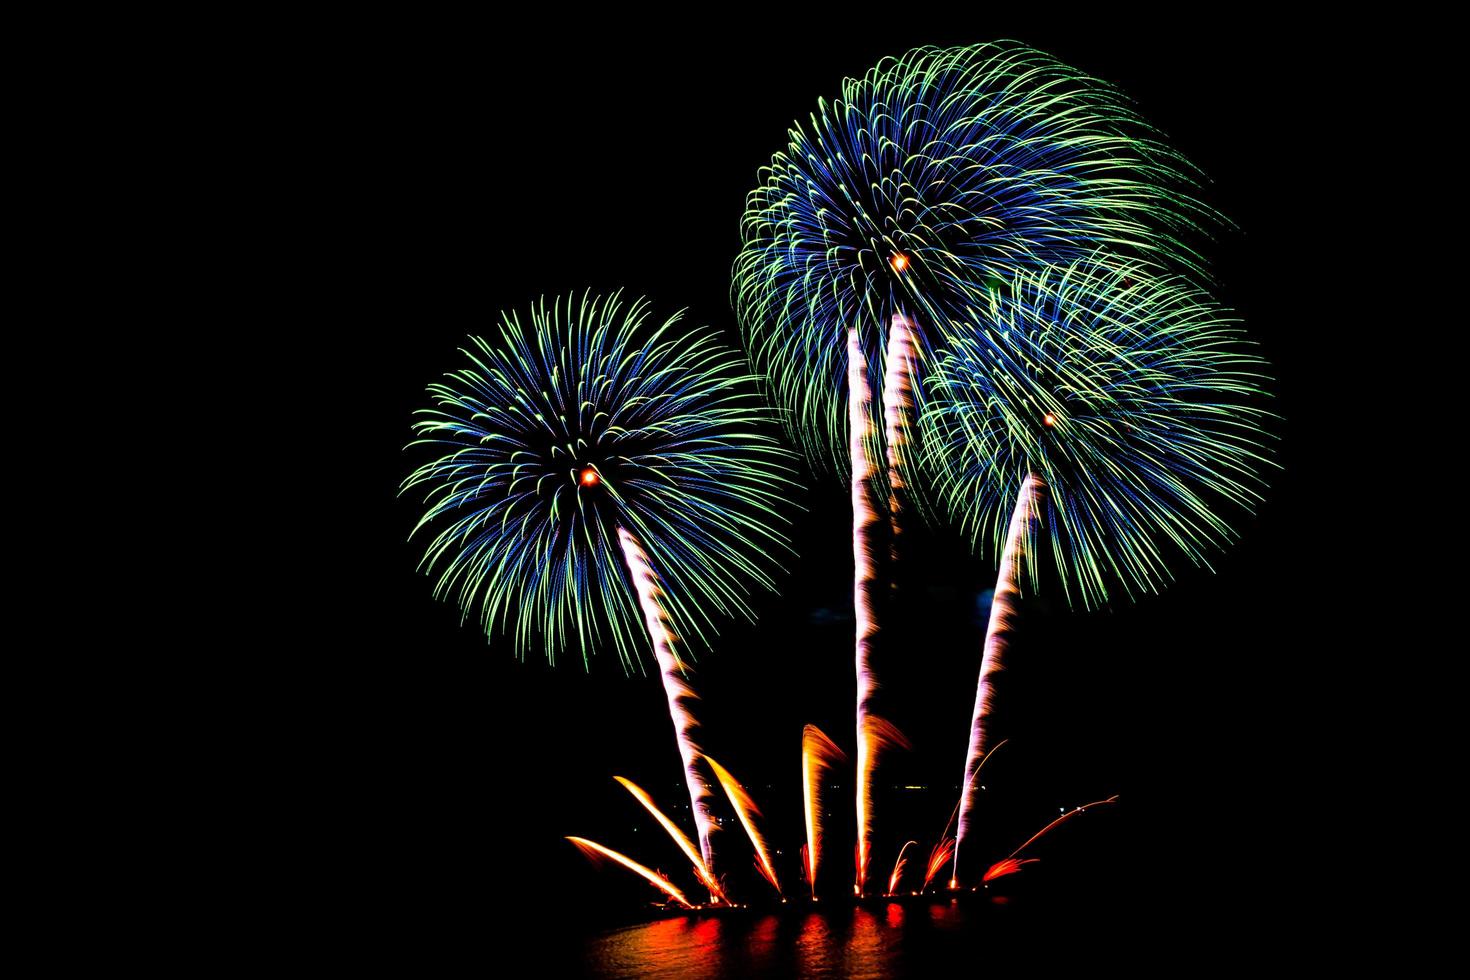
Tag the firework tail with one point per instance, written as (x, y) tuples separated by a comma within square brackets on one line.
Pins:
[(938, 858), (1059, 821), (818, 754), (596, 851), (701, 870), (676, 689), (878, 737), (1013, 864), (1009, 866), (747, 811), (898, 405), (997, 640), (864, 587), (898, 867), (944, 848)]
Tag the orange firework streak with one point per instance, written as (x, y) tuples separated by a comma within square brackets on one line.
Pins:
[(997, 640), (746, 810), (938, 858), (596, 851), (898, 404), (678, 692), (1009, 866), (818, 754), (1061, 820), (864, 585), (898, 867), (700, 870)]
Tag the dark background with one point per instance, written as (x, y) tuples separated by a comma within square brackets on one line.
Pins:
[(452, 177)]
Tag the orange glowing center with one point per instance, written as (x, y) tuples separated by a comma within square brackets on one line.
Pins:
[(899, 262), (1049, 419), (590, 477)]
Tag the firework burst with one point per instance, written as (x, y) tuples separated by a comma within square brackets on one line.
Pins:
[(934, 176), (818, 755), (1131, 398), (582, 419), (599, 477)]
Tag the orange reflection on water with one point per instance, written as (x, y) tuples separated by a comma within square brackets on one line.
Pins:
[(667, 948), (864, 946), (815, 950), (947, 915)]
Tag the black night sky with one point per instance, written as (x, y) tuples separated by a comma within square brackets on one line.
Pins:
[(437, 772)]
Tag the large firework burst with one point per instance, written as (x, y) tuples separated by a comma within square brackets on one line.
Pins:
[(581, 420), (1133, 399), (937, 175)]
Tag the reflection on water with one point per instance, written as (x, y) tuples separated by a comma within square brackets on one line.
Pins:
[(879, 940)]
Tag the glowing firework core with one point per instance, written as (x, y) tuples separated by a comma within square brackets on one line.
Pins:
[(590, 477), (1049, 420), (899, 261)]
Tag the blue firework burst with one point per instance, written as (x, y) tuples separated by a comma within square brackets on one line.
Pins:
[(936, 176), (582, 419), (1135, 398)]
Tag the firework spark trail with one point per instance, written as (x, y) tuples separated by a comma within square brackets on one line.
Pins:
[(701, 870), (944, 849), (898, 867), (1009, 866), (878, 737), (938, 858), (595, 851), (864, 586), (898, 404), (679, 694), (746, 810), (818, 754), (1059, 821), (997, 639)]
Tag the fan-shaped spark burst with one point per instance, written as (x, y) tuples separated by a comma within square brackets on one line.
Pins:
[(747, 811), (1009, 866), (898, 866), (938, 858), (596, 851), (818, 755), (701, 869), (877, 736)]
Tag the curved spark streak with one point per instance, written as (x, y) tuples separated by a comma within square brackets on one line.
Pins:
[(864, 585), (818, 754), (997, 640), (898, 405), (878, 735), (678, 836), (678, 692), (898, 867), (1009, 866), (1060, 820), (746, 810), (944, 849), (938, 858), (595, 850)]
